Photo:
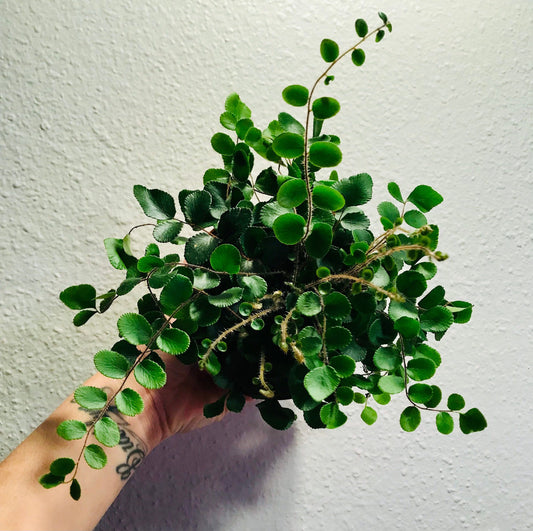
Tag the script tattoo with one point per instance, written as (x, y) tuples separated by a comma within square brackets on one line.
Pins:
[(133, 446)]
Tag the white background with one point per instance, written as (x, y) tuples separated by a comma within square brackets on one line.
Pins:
[(98, 96)]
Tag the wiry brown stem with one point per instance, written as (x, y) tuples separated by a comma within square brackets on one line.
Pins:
[(306, 134)]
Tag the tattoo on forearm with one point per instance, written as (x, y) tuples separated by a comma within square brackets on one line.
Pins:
[(131, 444)]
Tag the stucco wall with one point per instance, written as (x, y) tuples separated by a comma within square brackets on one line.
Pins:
[(98, 96)]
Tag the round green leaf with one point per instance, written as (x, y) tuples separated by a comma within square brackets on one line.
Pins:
[(402, 309), (199, 247), (147, 263), (176, 292), (411, 283), (75, 490), (205, 279), (358, 57), (471, 421), (156, 204), (271, 211), (436, 396), (90, 397), (337, 305), (415, 219), (216, 174), (329, 50), (62, 466), (167, 230), (327, 197), (356, 190), (214, 409), (394, 190), (387, 358), (254, 287), (456, 402), (235, 401), (424, 198), (197, 208), (433, 298), (129, 402), (425, 351), (427, 269), (388, 210), (288, 145), (79, 297), (289, 228), (382, 398), (150, 374), (326, 107), (337, 337), (420, 369), (233, 223), (257, 324), (134, 328), (444, 423), (361, 27), (115, 252), (321, 382), (391, 384), (50, 480), (82, 317), (292, 193), (410, 418), (226, 298), (344, 395), (212, 364), (227, 120), (408, 327), (223, 144), (241, 166), (319, 240), (332, 416), (462, 311), (203, 313), (369, 415), (226, 257), (173, 341), (111, 364), (437, 319), (308, 303), (325, 154), (95, 456), (295, 95), (71, 430), (242, 127), (344, 365), (280, 418), (420, 393), (106, 432)]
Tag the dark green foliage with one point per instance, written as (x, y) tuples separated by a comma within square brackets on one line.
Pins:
[(283, 291), (329, 50)]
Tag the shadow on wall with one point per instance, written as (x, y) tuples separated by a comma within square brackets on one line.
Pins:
[(196, 481)]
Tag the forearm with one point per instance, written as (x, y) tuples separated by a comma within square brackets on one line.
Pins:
[(25, 504)]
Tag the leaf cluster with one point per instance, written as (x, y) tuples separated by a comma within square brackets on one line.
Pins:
[(283, 292)]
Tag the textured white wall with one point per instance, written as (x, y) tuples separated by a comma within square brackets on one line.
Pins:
[(98, 96)]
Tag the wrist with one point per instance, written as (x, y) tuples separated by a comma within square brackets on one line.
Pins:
[(143, 429)]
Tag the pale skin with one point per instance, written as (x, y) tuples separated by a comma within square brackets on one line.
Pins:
[(175, 408)]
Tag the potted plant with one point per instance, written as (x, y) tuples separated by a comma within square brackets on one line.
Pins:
[(283, 292)]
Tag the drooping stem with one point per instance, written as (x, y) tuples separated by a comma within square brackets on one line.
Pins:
[(402, 351), (308, 114), (139, 359)]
